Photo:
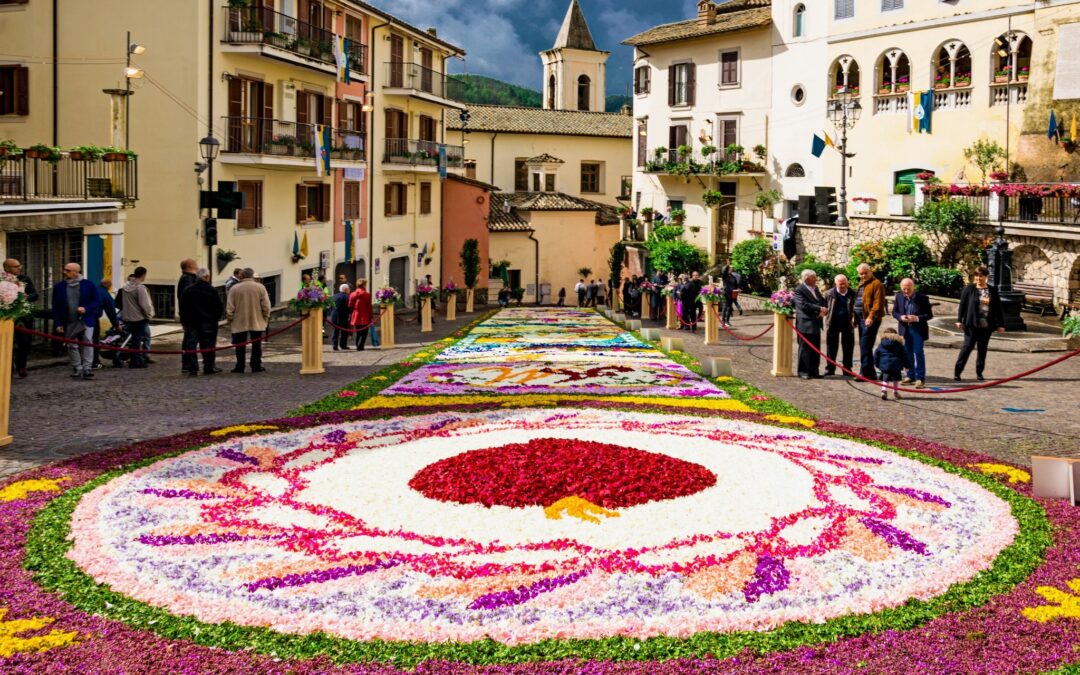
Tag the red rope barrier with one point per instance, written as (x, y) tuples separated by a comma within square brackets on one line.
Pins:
[(355, 329), (736, 335), (174, 352), (954, 390)]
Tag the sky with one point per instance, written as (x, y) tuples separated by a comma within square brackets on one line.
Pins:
[(502, 38)]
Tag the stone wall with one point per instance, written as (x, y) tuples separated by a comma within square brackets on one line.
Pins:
[(1044, 260)]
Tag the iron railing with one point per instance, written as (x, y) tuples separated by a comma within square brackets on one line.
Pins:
[(422, 153), (626, 186), (1050, 210), (262, 136), (26, 179), (403, 75), (264, 26)]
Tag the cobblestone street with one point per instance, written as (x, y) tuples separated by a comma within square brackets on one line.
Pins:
[(54, 417)]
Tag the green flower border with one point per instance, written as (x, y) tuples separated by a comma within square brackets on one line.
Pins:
[(48, 544)]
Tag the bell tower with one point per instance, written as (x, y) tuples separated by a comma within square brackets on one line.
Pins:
[(575, 76)]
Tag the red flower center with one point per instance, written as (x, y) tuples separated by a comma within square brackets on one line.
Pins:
[(545, 470)]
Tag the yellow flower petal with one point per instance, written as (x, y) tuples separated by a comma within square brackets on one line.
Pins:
[(787, 419), (1012, 473), (23, 488)]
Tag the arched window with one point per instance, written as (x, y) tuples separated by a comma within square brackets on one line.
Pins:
[(952, 65), (551, 92), (1010, 57), (893, 73), (795, 171), (583, 92), (798, 26), (844, 77)]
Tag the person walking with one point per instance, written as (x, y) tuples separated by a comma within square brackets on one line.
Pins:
[(188, 277), (810, 310), (590, 293), (107, 308), (74, 309), (579, 288), (688, 295), (237, 274), (912, 310), (738, 281), (869, 311), (22, 342), (980, 314), (562, 298), (137, 310), (200, 312), (731, 294), (360, 304), (891, 357), (839, 324), (248, 311), (340, 317)]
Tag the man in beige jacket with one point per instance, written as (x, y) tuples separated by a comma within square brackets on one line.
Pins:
[(248, 311)]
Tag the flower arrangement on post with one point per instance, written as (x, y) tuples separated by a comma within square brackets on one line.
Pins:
[(387, 295), (13, 302), (647, 286), (782, 302), (426, 290), (309, 297), (450, 287), (711, 293), (668, 291)]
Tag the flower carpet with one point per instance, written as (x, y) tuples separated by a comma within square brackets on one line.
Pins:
[(543, 492)]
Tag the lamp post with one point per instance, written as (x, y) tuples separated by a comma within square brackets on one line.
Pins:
[(844, 112), (130, 72), (209, 147)]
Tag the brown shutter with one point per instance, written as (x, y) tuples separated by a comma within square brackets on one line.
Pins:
[(361, 117), (388, 199), (648, 79), (301, 110), (236, 110), (327, 106), (22, 90), (328, 20), (301, 203), (324, 215), (342, 115), (691, 83), (268, 112), (671, 85)]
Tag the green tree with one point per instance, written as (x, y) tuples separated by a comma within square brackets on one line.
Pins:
[(748, 259), (954, 221), (470, 262), (615, 261), (987, 155)]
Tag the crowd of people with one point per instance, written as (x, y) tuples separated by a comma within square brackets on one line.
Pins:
[(899, 356)]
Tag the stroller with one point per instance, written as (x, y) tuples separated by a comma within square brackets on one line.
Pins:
[(115, 337)]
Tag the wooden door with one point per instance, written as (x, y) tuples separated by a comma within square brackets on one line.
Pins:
[(427, 79)]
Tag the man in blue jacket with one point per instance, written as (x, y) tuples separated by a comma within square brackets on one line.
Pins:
[(75, 310), (912, 309)]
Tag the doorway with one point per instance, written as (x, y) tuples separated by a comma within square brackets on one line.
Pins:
[(399, 277)]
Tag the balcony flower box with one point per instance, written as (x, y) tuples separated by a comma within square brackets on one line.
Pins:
[(942, 84), (885, 89), (279, 149), (1022, 76)]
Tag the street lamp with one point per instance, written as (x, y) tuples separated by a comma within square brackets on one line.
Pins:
[(844, 112), (209, 148), (130, 73)]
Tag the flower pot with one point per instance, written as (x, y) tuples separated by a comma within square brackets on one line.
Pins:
[(35, 154), (1021, 78), (884, 90), (77, 156), (1001, 79), (901, 205), (279, 149), (941, 85), (115, 157), (902, 88)]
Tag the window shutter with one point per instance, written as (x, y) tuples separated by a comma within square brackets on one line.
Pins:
[(648, 79), (326, 108), (301, 109), (361, 117), (268, 112), (673, 138), (403, 189), (691, 83), (301, 203), (671, 85), (388, 199), (22, 90)]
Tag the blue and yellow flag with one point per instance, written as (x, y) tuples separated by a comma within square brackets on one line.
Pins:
[(922, 111), (322, 149), (818, 146), (341, 57), (303, 246), (296, 244)]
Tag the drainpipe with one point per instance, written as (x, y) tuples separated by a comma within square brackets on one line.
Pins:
[(536, 263), (371, 166), (55, 75), (493, 137), (210, 5)]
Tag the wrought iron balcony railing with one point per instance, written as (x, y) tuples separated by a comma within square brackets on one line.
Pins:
[(422, 153), (402, 75), (262, 136), (264, 26), (27, 179)]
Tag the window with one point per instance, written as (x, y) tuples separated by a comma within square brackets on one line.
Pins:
[(889, 5), (396, 199), (590, 177), (351, 117), (313, 108), (584, 92), (250, 217), (354, 30), (844, 77), (845, 9), (727, 133), (642, 142), (425, 198), (470, 168), (642, 80), (551, 93), (795, 171), (14, 90), (549, 182), (351, 205), (798, 27), (521, 176), (681, 84), (675, 205), (162, 298), (1011, 57), (427, 128), (952, 66), (678, 135), (729, 68), (312, 203), (798, 95)]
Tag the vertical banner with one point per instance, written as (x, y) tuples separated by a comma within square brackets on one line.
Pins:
[(442, 162), (349, 253), (322, 149)]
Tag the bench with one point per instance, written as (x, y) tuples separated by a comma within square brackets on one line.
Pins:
[(1069, 307), (1037, 298)]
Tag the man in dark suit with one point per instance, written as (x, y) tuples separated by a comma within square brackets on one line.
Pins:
[(200, 312), (810, 309), (688, 295), (912, 309)]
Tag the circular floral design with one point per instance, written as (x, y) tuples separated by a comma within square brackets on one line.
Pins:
[(310, 529)]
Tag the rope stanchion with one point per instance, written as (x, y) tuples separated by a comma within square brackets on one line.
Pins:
[(167, 352), (953, 390), (736, 335)]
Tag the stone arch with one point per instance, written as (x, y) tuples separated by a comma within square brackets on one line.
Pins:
[(951, 65), (1073, 281), (1031, 265), (844, 76), (892, 72)]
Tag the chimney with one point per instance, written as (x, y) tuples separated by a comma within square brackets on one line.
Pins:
[(432, 32), (706, 13)]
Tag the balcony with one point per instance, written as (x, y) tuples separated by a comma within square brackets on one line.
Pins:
[(412, 79), (891, 104), (1009, 94), (422, 155), (671, 163), (261, 141), (260, 30), (28, 180), (956, 98)]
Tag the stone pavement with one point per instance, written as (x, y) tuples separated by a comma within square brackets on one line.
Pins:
[(1038, 415), (54, 417)]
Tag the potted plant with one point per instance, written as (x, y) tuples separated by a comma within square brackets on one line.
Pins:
[(85, 153), (282, 145), (684, 152), (999, 176), (1022, 76), (761, 152), (962, 80), (885, 88), (387, 295), (9, 149), (47, 153), (518, 294), (647, 214), (224, 257), (712, 198), (765, 201), (302, 46), (114, 154), (903, 83), (864, 205), (734, 151), (942, 81), (902, 201), (1001, 76), (677, 216)]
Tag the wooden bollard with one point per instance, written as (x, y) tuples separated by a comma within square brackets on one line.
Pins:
[(712, 324), (425, 315), (311, 348), (386, 340), (451, 306), (672, 317), (783, 365), (646, 305), (470, 296), (7, 343)]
